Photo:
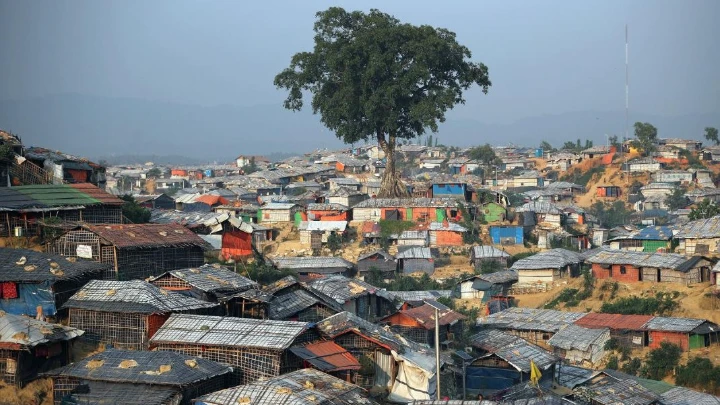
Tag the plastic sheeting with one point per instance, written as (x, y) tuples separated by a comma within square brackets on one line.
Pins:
[(412, 382), (30, 296)]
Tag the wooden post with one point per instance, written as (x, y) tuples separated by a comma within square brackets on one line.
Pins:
[(437, 352), (115, 260)]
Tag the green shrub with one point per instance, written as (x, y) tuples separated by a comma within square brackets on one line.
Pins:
[(612, 363), (640, 306), (632, 367), (661, 361)]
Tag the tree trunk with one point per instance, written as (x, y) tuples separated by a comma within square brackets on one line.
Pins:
[(390, 186)]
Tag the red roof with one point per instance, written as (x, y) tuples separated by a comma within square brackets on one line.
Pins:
[(613, 321), (327, 356), (147, 235), (425, 315), (97, 193), (212, 199)]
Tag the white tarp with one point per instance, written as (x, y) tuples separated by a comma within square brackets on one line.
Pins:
[(412, 381)]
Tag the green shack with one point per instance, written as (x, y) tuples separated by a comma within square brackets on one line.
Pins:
[(494, 212)]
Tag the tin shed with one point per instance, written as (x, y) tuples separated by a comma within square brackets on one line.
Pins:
[(684, 332), (416, 259), (378, 260)]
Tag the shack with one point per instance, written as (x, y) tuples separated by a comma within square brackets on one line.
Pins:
[(292, 388), (324, 228), (209, 282), (507, 235), (650, 239), (626, 330), (481, 254), (446, 234), (547, 267), (413, 209), (30, 280), (356, 296), (136, 251), (416, 259), (418, 324), (29, 347), (328, 212), (503, 360), (628, 266), (377, 260), (699, 237), (486, 286), (685, 332), (137, 377), (26, 209), (278, 212), (126, 314), (302, 304), (314, 265), (254, 348), (580, 346), (534, 325), (608, 191)]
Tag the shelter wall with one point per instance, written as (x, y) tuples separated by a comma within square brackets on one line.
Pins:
[(678, 338), (122, 330)]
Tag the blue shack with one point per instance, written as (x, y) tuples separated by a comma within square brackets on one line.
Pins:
[(507, 235), (30, 280), (452, 190)]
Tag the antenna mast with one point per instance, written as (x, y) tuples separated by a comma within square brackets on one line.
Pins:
[(627, 104)]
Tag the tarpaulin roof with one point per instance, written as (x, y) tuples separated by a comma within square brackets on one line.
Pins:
[(228, 331), (28, 332), (552, 259), (577, 337), (20, 265), (142, 367), (425, 316), (342, 289), (327, 356), (147, 235), (47, 196)]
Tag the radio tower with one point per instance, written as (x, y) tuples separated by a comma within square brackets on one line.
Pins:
[(627, 104)]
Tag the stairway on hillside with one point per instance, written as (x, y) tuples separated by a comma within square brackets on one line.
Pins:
[(26, 173)]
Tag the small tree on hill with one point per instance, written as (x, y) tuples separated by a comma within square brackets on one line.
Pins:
[(373, 77), (133, 211), (705, 209), (676, 200), (711, 134), (661, 361), (646, 135)]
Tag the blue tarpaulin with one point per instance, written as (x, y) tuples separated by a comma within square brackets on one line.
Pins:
[(29, 297), (485, 378)]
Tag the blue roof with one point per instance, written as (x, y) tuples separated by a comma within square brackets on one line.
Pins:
[(655, 233)]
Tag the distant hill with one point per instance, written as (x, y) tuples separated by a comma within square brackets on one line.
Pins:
[(101, 126)]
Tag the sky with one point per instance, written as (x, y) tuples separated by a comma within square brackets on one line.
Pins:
[(544, 57)]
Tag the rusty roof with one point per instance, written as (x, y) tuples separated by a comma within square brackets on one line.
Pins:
[(97, 193), (327, 356), (425, 315), (147, 235), (614, 321), (210, 199)]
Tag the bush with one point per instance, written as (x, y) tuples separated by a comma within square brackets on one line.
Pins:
[(612, 363), (632, 367), (612, 344), (661, 361), (334, 242), (658, 305), (265, 274), (133, 211), (699, 372)]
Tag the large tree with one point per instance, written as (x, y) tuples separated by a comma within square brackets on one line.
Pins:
[(485, 154), (373, 77), (646, 135), (711, 134)]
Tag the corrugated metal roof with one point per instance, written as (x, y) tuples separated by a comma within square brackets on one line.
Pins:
[(147, 235), (552, 259), (649, 233), (574, 337), (483, 252), (327, 356), (28, 265), (539, 207), (385, 255), (640, 259), (95, 192), (547, 320), (228, 331), (289, 304), (702, 228), (500, 277), (343, 289), (422, 295), (131, 296), (326, 207), (614, 321), (278, 206), (413, 235), (415, 252), (686, 396), (212, 277), (28, 332), (572, 376), (610, 391), (344, 322), (102, 393), (323, 226), (178, 369), (314, 262), (661, 323), (451, 226), (302, 387), (515, 350), (425, 315)]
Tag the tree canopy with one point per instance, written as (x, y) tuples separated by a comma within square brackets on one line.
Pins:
[(676, 200), (703, 210), (711, 134), (485, 154), (373, 77), (646, 135)]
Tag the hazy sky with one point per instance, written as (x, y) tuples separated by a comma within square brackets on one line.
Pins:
[(545, 57)]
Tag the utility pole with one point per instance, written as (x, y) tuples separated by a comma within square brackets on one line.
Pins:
[(437, 352)]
